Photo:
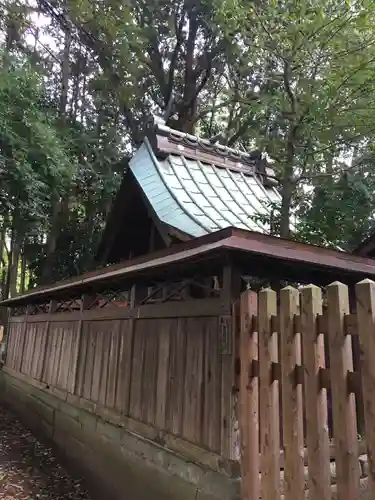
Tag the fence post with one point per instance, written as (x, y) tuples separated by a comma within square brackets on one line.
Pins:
[(249, 397), (343, 402), (268, 398), (315, 397), (292, 403), (365, 292)]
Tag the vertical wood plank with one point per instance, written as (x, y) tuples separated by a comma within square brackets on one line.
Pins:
[(343, 403), (82, 357), (29, 335), (316, 397), (43, 349), (32, 348), (249, 398), (268, 399), (47, 357), (228, 413), (65, 355), (191, 424), (18, 353), (21, 343), (357, 367), (98, 356), (11, 354), (89, 366), (107, 334), (73, 363), (70, 356), (229, 426), (59, 333), (54, 354), (163, 373), (62, 342), (365, 292), (14, 328), (22, 340), (212, 387), (10, 346), (292, 402), (49, 354), (38, 349), (124, 366), (150, 366), (21, 328), (25, 350), (135, 409), (176, 380), (113, 365), (80, 354)]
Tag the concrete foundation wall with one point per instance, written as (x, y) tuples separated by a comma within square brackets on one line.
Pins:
[(121, 464)]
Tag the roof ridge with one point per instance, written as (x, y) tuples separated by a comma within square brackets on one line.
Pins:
[(205, 143)]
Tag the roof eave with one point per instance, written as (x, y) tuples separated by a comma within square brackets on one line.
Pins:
[(248, 243)]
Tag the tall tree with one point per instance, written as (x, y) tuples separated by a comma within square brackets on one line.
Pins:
[(157, 56), (33, 159), (304, 76)]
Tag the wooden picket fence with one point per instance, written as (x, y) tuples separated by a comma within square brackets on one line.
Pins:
[(297, 355)]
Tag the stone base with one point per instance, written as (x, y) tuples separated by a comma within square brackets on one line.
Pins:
[(118, 463)]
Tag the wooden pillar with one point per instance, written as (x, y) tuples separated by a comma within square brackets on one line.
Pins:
[(138, 293), (231, 284), (230, 294)]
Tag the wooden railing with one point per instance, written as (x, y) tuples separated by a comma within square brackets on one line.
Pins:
[(296, 368)]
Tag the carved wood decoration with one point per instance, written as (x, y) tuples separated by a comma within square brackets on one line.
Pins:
[(110, 298), (18, 311), (194, 288), (41, 308)]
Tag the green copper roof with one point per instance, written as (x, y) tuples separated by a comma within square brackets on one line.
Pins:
[(199, 198)]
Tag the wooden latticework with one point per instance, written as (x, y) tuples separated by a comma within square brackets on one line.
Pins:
[(297, 370), (109, 298)]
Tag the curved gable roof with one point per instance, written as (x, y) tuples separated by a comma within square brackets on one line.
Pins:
[(198, 197)]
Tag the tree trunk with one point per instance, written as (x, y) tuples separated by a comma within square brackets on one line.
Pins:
[(286, 202), (57, 203), (23, 273), (15, 251), (51, 244), (2, 261), (65, 74), (3, 284)]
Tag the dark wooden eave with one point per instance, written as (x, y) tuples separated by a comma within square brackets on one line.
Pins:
[(253, 253)]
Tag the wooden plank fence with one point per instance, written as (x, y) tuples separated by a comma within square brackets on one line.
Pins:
[(169, 373), (300, 351)]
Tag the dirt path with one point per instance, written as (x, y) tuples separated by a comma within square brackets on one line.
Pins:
[(28, 469)]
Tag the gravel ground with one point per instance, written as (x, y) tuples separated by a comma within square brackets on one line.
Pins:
[(29, 469)]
